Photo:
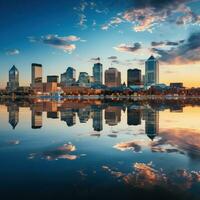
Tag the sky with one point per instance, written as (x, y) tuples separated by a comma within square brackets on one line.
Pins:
[(123, 33)]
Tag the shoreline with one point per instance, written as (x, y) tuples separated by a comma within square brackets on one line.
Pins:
[(101, 97)]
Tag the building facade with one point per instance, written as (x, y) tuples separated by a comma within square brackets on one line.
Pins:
[(98, 73), (69, 77), (134, 77), (112, 77), (52, 79), (36, 74), (84, 79), (151, 72), (13, 82)]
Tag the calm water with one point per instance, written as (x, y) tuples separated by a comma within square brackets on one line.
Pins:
[(96, 150)]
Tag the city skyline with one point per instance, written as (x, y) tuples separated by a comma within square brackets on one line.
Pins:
[(77, 33)]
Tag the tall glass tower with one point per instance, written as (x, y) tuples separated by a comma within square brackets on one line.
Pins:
[(13, 83), (98, 73), (151, 71)]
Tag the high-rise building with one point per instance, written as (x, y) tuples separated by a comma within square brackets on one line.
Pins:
[(84, 79), (98, 73), (36, 73), (13, 83), (134, 77), (52, 79), (69, 77), (151, 71), (112, 77)]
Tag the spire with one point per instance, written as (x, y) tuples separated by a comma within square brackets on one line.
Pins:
[(151, 57), (14, 68)]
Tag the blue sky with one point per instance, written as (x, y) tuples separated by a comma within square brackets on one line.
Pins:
[(123, 34)]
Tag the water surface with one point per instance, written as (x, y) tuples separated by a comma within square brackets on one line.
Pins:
[(94, 149)]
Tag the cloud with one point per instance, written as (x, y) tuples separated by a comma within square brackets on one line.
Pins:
[(166, 43), (145, 15), (185, 53), (115, 21), (72, 38), (56, 41), (12, 52), (112, 57), (95, 59), (128, 48)]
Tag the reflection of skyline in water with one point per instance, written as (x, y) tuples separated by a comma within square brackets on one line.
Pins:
[(136, 145), (83, 111), (69, 112)]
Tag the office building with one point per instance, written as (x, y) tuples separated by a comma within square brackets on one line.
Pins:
[(98, 73), (52, 79), (13, 83), (69, 77), (84, 79), (134, 77), (112, 77), (151, 72), (36, 76)]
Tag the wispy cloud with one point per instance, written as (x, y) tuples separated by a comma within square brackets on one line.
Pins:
[(128, 48), (12, 52), (145, 15)]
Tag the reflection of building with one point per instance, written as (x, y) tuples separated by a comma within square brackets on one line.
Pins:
[(52, 79), (151, 118), (52, 115), (98, 119), (134, 77), (112, 77), (133, 116), (112, 115), (69, 77), (13, 83), (68, 116), (13, 110), (84, 114), (151, 72), (36, 119), (98, 73), (36, 75)]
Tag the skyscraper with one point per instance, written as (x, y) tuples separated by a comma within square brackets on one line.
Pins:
[(151, 71), (69, 77), (112, 77), (98, 73), (134, 77), (84, 79), (13, 83), (36, 75)]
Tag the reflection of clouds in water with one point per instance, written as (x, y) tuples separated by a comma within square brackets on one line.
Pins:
[(10, 143), (184, 140), (180, 141), (135, 145), (61, 152), (145, 176)]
